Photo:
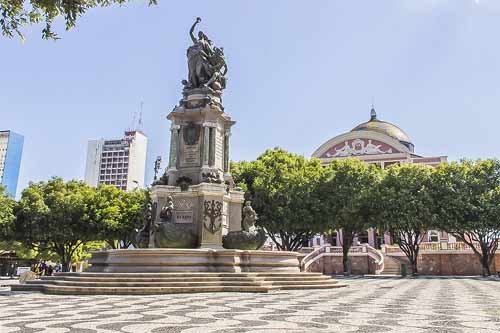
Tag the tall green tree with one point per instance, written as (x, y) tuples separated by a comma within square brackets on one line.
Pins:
[(117, 214), (54, 216), (6, 214), (468, 198), (345, 192), (282, 188), (404, 205), (15, 14)]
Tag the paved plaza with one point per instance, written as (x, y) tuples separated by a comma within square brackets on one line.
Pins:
[(365, 305)]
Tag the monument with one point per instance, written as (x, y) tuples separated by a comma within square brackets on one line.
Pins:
[(197, 236), (196, 201)]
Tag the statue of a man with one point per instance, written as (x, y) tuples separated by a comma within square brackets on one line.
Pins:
[(198, 58), (168, 210), (249, 217)]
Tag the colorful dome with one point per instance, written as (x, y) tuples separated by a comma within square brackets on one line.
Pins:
[(386, 128)]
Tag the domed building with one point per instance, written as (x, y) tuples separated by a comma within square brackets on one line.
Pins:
[(383, 143), (375, 141)]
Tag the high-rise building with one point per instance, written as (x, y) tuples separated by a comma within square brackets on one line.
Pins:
[(120, 162), (11, 149)]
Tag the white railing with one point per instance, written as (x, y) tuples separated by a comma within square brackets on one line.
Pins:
[(433, 247), (336, 251), (312, 257), (378, 257)]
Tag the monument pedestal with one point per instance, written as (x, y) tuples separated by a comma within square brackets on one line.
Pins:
[(193, 260), (206, 206), (208, 211)]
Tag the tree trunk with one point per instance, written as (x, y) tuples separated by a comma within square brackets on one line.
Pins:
[(414, 266), (346, 245), (485, 264), (65, 263), (112, 243)]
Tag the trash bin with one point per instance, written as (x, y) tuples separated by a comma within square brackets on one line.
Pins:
[(404, 270)]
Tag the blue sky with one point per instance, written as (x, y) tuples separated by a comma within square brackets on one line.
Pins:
[(300, 73)]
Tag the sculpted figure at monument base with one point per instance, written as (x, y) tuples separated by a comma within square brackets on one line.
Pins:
[(251, 237)]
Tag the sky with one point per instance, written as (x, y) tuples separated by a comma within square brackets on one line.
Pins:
[(300, 73)]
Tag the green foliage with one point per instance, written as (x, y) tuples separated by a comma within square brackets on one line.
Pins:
[(6, 214), (404, 206), (84, 252), (22, 251), (15, 14), (468, 199), (345, 193), (54, 216), (118, 213), (281, 186)]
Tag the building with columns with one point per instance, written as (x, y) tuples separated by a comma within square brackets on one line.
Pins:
[(375, 142)]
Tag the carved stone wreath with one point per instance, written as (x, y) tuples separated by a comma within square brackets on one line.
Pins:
[(212, 213), (191, 133)]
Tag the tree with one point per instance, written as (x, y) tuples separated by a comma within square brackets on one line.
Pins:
[(405, 207), (15, 14), (345, 191), (281, 186), (468, 198), (6, 214), (117, 213), (54, 216)]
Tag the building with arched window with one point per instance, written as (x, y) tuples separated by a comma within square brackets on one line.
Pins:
[(376, 142)]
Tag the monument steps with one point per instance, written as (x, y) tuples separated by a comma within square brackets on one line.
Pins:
[(189, 274), (72, 290), (166, 283), (177, 279)]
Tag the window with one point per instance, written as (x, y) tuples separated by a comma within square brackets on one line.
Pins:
[(433, 236)]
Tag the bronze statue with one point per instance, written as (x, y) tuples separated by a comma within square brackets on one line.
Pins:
[(167, 211), (206, 63), (249, 217), (251, 237)]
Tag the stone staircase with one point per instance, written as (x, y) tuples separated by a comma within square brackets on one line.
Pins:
[(167, 283), (392, 265)]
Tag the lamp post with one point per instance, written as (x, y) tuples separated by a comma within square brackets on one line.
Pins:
[(157, 167)]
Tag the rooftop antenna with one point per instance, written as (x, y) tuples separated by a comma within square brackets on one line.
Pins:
[(139, 123), (132, 125)]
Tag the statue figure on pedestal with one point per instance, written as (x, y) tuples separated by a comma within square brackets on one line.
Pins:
[(167, 211), (206, 63), (249, 217), (251, 237)]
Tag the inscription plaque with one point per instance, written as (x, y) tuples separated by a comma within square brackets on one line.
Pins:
[(184, 216), (191, 155)]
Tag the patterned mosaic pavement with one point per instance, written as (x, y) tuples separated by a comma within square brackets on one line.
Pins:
[(389, 305)]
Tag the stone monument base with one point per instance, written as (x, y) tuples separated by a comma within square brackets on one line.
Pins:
[(166, 271), (159, 260)]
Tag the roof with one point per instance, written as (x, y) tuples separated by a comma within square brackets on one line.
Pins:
[(383, 127)]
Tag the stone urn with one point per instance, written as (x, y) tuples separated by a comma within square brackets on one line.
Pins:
[(244, 240)]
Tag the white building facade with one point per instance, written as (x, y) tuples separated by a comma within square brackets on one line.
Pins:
[(120, 162)]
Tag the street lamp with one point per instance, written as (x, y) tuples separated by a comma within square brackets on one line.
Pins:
[(157, 167)]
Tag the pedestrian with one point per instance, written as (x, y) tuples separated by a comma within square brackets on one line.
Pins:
[(43, 268)]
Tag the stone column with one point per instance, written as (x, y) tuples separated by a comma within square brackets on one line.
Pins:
[(226, 152), (206, 145), (174, 147), (211, 159), (372, 240), (387, 238)]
